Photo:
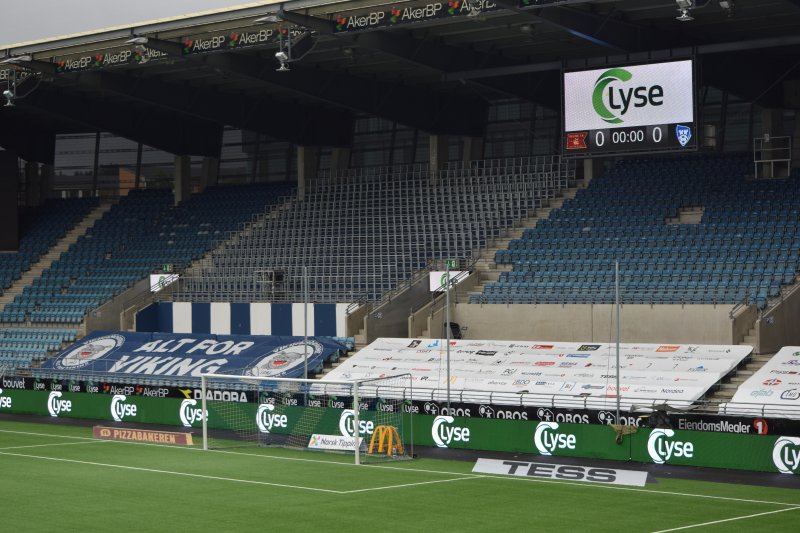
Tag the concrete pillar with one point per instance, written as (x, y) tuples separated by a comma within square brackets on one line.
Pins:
[(340, 158), (473, 148), (182, 188), (209, 176), (438, 153), (306, 168), (33, 187), (47, 178)]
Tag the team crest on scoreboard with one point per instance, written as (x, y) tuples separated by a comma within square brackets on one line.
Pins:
[(684, 134)]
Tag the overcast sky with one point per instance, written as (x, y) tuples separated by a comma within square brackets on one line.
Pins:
[(31, 20)]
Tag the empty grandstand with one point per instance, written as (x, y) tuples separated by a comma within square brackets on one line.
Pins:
[(360, 233), (743, 245)]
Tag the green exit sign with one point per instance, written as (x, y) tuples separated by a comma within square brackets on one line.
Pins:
[(451, 263), (166, 267)]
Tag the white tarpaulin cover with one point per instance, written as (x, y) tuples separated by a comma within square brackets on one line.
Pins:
[(678, 374), (773, 390)]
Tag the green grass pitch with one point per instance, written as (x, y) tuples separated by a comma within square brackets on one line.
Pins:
[(56, 478)]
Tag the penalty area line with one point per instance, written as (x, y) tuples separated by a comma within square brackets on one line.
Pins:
[(727, 520), (173, 473)]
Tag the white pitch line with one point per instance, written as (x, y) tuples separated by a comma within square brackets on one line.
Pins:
[(726, 520), (44, 434), (411, 484), (53, 444), (170, 472)]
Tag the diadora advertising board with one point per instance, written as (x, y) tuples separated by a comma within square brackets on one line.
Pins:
[(632, 107), (769, 453), (190, 355)]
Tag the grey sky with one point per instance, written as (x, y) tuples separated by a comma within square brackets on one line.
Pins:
[(31, 20)]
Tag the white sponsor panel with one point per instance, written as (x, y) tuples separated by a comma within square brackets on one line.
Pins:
[(159, 281), (620, 97), (333, 442), (773, 390), (438, 279), (608, 476), (677, 373)]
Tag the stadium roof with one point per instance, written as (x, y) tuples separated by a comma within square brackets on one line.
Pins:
[(430, 65)]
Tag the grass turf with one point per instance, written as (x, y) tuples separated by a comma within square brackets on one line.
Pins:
[(57, 478)]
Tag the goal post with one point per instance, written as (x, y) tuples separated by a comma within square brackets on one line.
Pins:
[(367, 418)]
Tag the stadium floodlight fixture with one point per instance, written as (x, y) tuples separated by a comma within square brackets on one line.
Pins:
[(283, 58), (16, 60), (269, 19), (9, 96), (138, 41), (685, 16)]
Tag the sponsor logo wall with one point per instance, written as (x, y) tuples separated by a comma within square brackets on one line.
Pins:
[(770, 453), (772, 391), (559, 372), (156, 354)]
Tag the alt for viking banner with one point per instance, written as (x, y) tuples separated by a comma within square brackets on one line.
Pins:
[(190, 355)]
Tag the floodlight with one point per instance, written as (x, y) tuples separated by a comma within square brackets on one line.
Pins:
[(138, 41), (9, 96), (16, 60), (282, 56), (271, 19), (684, 16), (685, 4)]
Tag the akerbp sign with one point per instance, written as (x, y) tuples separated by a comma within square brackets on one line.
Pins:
[(640, 95)]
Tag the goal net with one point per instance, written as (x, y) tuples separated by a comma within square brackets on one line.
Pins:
[(365, 418)]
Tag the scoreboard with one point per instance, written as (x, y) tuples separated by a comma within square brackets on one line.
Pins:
[(634, 108)]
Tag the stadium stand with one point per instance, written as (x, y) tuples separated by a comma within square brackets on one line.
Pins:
[(742, 250), (41, 228), (137, 235), (360, 233), (140, 233)]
